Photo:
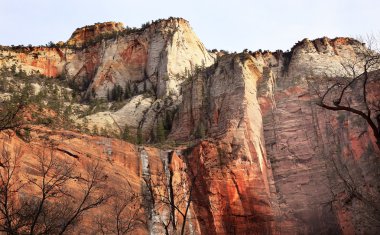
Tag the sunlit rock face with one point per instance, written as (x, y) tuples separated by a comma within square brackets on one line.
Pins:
[(85, 34), (154, 60), (42, 60), (157, 56), (270, 161), (160, 55)]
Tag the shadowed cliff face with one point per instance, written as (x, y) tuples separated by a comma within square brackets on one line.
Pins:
[(271, 161), (260, 112)]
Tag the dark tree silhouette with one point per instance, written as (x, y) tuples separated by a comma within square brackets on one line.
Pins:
[(359, 73), (11, 110), (51, 208), (173, 192), (124, 215)]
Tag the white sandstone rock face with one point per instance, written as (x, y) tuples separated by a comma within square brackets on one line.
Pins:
[(101, 120), (156, 59), (323, 57), (161, 53), (185, 53), (131, 114), (216, 99)]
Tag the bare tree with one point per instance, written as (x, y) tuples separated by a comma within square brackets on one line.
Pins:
[(173, 192), (10, 113), (359, 72), (12, 109), (124, 216), (51, 208), (10, 221)]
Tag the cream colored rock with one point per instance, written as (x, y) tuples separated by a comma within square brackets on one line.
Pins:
[(131, 114), (162, 53), (323, 57), (100, 120)]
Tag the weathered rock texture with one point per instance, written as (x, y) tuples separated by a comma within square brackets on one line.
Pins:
[(120, 161), (153, 60), (158, 54), (91, 32), (271, 161), (285, 161), (43, 60)]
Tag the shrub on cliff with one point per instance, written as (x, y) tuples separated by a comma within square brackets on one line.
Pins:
[(52, 208), (200, 132), (160, 132)]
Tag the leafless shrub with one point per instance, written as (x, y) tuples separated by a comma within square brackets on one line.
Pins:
[(51, 207)]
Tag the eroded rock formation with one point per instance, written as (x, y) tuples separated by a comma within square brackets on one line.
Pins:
[(271, 161)]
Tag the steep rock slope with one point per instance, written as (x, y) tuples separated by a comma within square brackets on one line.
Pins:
[(153, 60), (262, 115), (237, 176), (317, 155), (271, 161), (159, 54)]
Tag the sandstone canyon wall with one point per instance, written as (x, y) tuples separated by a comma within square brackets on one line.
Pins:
[(267, 124), (271, 161)]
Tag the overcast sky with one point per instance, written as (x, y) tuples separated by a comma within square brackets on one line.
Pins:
[(223, 24)]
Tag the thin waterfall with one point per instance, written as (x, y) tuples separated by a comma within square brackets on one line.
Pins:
[(153, 219)]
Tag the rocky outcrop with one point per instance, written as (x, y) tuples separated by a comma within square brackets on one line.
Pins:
[(93, 32), (156, 57), (153, 60), (35, 60)]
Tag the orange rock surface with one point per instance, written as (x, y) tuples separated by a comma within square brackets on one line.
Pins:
[(270, 160)]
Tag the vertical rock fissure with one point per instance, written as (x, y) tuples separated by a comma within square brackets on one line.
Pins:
[(149, 200)]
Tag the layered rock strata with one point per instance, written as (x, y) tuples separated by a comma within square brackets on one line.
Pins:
[(271, 161)]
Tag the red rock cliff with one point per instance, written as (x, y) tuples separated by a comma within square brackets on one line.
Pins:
[(271, 161)]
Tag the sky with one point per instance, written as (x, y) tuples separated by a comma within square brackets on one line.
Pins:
[(231, 25)]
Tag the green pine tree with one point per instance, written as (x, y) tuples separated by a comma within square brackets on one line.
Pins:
[(95, 130), (127, 92), (160, 131), (139, 137), (200, 132), (125, 133)]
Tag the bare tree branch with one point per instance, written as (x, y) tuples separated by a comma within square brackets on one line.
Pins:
[(368, 62), (51, 209)]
